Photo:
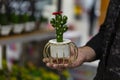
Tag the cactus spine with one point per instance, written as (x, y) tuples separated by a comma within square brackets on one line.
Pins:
[(59, 24)]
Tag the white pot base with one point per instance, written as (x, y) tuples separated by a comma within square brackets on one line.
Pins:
[(60, 49)]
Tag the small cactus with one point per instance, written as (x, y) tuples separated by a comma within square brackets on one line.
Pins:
[(59, 24)]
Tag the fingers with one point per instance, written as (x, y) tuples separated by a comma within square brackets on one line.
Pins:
[(63, 66), (77, 63), (45, 60), (59, 67)]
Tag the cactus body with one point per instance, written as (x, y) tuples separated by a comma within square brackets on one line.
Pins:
[(59, 24)]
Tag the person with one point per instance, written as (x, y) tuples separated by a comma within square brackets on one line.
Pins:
[(105, 46)]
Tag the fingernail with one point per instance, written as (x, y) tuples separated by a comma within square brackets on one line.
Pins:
[(43, 60), (66, 65), (48, 64), (55, 65)]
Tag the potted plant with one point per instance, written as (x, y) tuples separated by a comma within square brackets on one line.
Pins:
[(58, 50), (17, 26), (5, 26)]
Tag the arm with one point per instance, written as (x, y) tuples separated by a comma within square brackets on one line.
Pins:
[(87, 53), (96, 43), (92, 50)]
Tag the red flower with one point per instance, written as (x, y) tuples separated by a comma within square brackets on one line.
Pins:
[(55, 13)]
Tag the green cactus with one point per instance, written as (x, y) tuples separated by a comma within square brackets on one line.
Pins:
[(59, 23)]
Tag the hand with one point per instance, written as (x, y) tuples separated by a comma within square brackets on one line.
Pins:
[(80, 59)]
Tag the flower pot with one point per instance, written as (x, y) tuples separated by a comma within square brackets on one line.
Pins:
[(29, 26), (18, 28), (60, 49), (5, 29), (60, 52)]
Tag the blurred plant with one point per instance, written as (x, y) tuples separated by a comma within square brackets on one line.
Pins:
[(66, 74), (29, 72)]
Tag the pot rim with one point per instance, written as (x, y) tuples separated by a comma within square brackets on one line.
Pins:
[(65, 41)]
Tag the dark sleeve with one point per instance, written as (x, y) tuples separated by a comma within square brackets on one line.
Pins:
[(96, 43)]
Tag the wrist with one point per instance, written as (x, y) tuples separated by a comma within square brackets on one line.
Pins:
[(87, 53)]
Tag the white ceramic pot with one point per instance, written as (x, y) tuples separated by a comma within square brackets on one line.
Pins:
[(18, 28), (29, 26), (5, 30), (60, 49)]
